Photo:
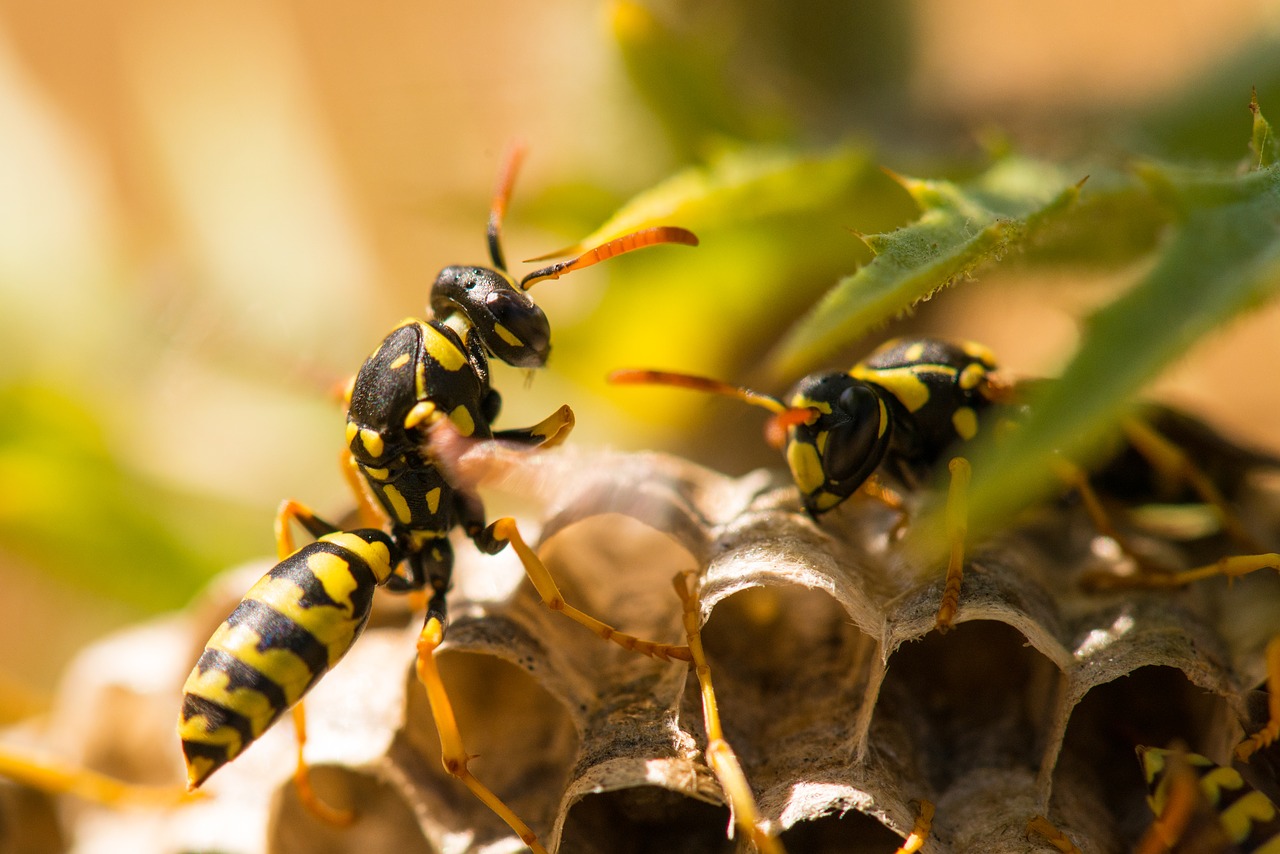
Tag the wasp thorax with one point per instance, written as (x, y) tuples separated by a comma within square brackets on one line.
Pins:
[(509, 324)]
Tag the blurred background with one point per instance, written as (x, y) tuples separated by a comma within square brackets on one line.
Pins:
[(210, 213)]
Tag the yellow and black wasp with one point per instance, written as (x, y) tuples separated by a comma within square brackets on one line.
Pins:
[(306, 613), (913, 402), (901, 408), (1184, 785)]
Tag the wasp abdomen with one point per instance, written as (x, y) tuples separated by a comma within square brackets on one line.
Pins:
[(290, 628)]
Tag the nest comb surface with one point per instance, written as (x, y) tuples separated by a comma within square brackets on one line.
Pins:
[(842, 704)]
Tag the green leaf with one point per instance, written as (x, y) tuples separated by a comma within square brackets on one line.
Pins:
[(736, 186), (961, 227), (71, 511), (1223, 259)]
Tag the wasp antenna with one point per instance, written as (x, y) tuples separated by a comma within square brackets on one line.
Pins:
[(775, 429), (506, 179), (642, 376), (618, 246)]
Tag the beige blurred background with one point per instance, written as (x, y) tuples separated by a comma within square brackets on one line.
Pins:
[(209, 213)]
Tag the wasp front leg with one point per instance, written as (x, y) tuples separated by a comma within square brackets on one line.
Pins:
[(454, 754), (547, 433), (497, 535)]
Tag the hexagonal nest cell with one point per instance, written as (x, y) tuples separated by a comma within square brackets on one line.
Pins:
[(845, 709)]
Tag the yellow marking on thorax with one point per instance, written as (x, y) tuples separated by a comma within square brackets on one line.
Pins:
[(353, 430), (442, 350), (507, 335), (965, 420), (820, 441), (374, 554), (461, 418), (981, 352), (806, 466), (972, 376), (372, 441), (376, 473), (433, 500), (399, 361), (905, 383), (401, 507)]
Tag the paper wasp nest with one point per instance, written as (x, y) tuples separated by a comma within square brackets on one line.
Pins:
[(843, 705)]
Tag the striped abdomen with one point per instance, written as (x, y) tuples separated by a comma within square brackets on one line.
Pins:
[(290, 628), (1248, 817)]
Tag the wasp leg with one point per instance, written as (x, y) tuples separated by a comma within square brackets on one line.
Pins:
[(920, 832), (1175, 799), (296, 511), (1172, 462), (720, 756), (547, 433), (504, 530), (1231, 567), (1076, 478), (58, 779), (453, 752), (874, 488), (957, 531), (368, 513), (1042, 827), (1269, 733), (307, 796)]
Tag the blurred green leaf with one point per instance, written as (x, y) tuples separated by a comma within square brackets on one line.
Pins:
[(961, 227), (70, 509), (736, 186), (1223, 259), (760, 71)]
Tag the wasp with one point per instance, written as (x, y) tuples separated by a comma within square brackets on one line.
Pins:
[(1181, 784), (307, 611), (901, 408), (912, 402)]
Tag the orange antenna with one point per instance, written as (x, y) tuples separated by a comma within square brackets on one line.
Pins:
[(775, 432), (498, 210), (618, 246), (775, 429)]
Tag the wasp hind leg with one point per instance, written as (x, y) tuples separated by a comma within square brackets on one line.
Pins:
[(453, 752), (295, 511), (492, 540), (57, 779)]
